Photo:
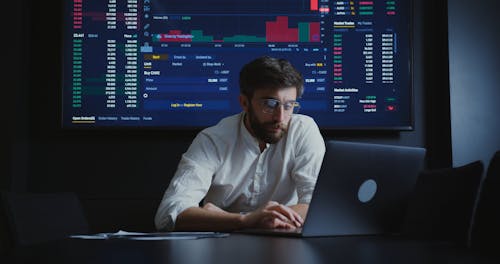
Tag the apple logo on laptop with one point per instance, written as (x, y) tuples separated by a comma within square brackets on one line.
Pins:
[(367, 190)]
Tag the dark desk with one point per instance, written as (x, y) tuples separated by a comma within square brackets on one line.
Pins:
[(241, 249)]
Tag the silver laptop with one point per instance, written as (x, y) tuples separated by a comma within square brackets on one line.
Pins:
[(362, 189)]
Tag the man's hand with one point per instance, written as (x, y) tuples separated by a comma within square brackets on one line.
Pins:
[(273, 215)]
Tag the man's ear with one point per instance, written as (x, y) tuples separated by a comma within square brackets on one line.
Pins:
[(244, 102)]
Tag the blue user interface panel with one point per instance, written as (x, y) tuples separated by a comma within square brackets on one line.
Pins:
[(175, 63)]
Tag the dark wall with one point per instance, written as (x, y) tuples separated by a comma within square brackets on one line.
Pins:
[(121, 175), (14, 86), (474, 42)]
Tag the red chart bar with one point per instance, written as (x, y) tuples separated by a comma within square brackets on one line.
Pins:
[(314, 32), (314, 5), (278, 31)]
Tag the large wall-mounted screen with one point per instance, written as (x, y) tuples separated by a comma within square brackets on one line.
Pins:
[(174, 64)]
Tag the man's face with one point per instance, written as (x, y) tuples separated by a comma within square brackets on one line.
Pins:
[(268, 119)]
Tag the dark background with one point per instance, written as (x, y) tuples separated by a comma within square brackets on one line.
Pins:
[(120, 175)]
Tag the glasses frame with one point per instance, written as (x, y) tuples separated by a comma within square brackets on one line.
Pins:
[(293, 106)]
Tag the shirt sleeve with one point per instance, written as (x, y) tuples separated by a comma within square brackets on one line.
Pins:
[(190, 183), (309, 152)]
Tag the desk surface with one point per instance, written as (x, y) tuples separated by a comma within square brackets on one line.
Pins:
[(241, 249)]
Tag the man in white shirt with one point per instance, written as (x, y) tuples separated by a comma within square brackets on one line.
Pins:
[(253, 169)]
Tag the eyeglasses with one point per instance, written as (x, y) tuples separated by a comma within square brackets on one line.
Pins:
[(270, 105)]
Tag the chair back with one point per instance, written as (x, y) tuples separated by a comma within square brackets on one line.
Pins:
[(442, 204), (39, 217), (486, 224)]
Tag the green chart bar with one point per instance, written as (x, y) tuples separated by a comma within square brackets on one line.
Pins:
[(199, 37), (244, 38), (303, 32)]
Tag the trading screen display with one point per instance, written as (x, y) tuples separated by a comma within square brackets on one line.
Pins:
[(175, 63)]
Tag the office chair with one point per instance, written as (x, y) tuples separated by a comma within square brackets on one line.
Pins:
[(38, 217), (442, 204), (487, 218)]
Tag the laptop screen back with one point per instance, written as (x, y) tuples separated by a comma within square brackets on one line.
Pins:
[(362, 189)]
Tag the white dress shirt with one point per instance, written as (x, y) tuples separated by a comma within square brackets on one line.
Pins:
[(224, 166)]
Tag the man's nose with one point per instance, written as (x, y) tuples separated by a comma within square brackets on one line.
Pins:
[(279, 113)]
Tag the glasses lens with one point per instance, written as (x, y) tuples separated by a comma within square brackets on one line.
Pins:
[(270, 105), (288, 106)]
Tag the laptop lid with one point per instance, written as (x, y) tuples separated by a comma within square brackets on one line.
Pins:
[(362, 189)]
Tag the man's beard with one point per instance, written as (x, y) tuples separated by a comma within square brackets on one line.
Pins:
[(260, 128)]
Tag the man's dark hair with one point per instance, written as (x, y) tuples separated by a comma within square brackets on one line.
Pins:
[(269, 73)]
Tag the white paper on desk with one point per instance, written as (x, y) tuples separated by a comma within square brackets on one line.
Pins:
[(152, 236), (94, 236), (161, 238)]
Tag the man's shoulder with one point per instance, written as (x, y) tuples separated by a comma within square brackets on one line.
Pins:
[(305, 135), (303, 130), (303, 118), (227, 126), (300, 121)]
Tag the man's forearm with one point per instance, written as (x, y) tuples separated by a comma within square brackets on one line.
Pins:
[(301, 209), (202, 219), (212, 218)]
